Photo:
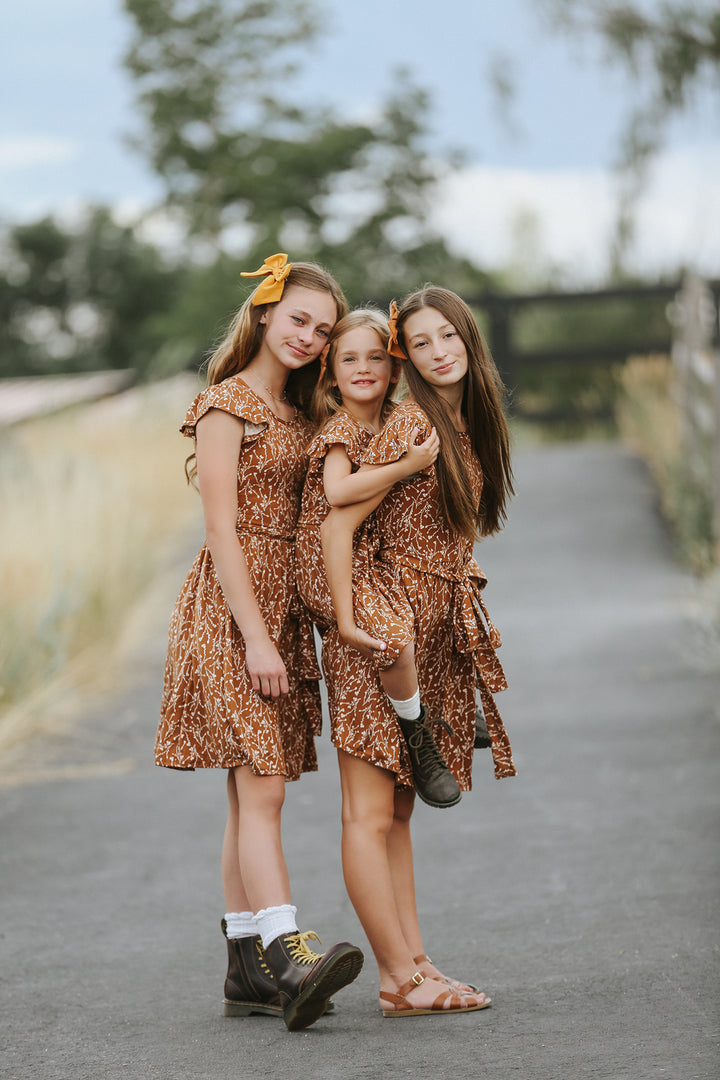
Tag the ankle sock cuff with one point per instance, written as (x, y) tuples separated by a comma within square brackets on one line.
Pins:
[(272, 922), (409, 709), (240, 924)]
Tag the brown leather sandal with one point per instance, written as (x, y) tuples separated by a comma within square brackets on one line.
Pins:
[(423, 958), (402, 1007)]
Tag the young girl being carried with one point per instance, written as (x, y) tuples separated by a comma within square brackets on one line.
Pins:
[(241, 679), (425, 530), (351, 402)]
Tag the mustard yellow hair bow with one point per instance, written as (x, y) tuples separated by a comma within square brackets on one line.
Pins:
[(276, 268), (393, 346)]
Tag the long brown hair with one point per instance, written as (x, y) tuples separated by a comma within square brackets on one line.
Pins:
[(482, 406), (326, 399), (245, 334)]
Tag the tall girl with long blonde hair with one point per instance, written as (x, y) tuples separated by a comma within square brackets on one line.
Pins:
[(241, 678)]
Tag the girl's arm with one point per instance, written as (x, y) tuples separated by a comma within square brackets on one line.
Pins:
[(342, 486), (219, 437), (336, 534)]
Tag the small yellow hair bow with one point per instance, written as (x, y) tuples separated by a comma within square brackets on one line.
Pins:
[(276, 268), (393, 346)]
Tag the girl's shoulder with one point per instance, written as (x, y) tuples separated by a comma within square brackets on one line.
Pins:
[(406, 424), (234, 396), (342, 428), (407, 412)]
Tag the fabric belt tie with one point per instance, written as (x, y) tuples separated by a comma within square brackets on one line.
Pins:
[(475, 633), (247, 530)]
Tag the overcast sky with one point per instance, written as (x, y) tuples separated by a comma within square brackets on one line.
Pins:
[(68, 103)]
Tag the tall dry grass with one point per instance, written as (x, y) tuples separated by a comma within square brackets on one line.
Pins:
[(649, 420), (93, 499)]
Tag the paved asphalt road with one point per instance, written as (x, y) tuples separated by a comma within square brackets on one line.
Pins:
[(583, 894)]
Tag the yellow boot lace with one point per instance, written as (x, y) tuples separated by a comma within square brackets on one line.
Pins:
[(299, 949)]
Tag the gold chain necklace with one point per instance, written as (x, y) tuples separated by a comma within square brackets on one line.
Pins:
[(282, 400)]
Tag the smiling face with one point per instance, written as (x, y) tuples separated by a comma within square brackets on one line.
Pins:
[(435, 348), (362, 368), (297, 328)]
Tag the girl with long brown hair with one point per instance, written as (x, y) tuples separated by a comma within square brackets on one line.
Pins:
[(352, 400), (241, 678), (425, 528)]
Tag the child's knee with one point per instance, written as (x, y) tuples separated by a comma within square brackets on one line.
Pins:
[(264, 795), (371, 818), (406, 658), (399, 655)]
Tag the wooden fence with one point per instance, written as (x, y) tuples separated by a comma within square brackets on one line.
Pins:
[(694, 315), (502, 311)]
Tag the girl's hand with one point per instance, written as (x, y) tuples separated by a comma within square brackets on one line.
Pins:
[(358, 639), (266, 669), (420, 457)]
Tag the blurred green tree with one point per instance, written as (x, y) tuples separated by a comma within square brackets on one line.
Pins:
[(246, 167), (672, 51), (78, 299)]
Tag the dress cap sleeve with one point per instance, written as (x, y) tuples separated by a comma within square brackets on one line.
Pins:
[(341, 429), (232, 396), (397, 435)]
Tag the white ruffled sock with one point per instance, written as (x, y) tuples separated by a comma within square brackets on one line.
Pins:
[(240, 924), (272, 922)]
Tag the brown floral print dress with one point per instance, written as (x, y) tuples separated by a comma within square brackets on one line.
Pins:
[(210, 715), (380, 607), (455, 641), (341, 429)]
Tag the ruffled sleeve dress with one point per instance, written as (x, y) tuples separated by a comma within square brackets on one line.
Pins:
[(382, 611), (210, 715), (455, 641), (342, 429)]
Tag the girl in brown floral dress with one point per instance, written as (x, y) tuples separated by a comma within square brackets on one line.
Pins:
[(426, 528), (353, 399), (241, 678)]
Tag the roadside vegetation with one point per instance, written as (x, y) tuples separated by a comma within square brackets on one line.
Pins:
[(649, 421), (95, 499)]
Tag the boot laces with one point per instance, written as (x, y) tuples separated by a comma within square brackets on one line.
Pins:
[(429, 757), (261, 958), (299, 949), (434, 716)]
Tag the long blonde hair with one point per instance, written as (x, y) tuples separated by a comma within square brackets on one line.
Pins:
[(245, 334), (482, 406), (326, 399)]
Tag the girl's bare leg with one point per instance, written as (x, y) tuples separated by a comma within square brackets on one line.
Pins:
[(401, 863), (368, 815), (400, 680), (236, 898), (399, 846), (255, 874)]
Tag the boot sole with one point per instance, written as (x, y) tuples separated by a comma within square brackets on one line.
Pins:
[(438, 805), (309, 1006), (245, 1008)]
